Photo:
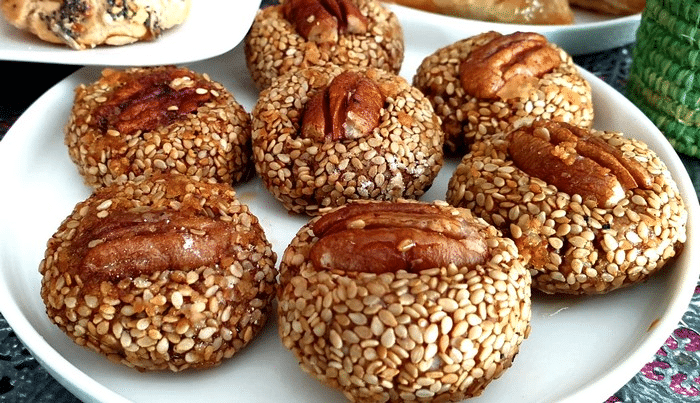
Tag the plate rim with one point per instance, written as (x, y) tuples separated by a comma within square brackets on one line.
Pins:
[(686, 281), (143, 53), (624, 29)]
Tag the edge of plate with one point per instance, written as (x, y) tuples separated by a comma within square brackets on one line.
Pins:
[(147, 52), (574, 39), (47, 356), (686, 281), (605, 385)]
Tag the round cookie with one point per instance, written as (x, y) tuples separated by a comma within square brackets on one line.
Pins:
[(590, 211), (403, 301), (167, 273), (134, 122), (382, 140), (480, 85), (89, 23), (302, 33)]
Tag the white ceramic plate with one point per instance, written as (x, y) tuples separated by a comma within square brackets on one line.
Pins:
[(589, 33), (212, 28), (580, 349)]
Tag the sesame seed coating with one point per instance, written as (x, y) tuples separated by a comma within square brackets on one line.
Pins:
[(147, 306), (400, 158), (571, 245), (211, 142), (440, 334), (273, 46), (561, 95)]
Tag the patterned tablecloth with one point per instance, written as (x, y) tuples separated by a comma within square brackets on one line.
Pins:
[(671, 375)]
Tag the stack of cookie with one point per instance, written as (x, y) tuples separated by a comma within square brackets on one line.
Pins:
[(663, 80)]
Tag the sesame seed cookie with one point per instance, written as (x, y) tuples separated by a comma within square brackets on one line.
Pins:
[(135, 122), (590, 211), (86, 24), (482, 84), (304, 33), (382, 140), (166, 273), (403, 301)]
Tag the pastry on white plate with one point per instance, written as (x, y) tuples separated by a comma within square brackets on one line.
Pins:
[(89, 23)]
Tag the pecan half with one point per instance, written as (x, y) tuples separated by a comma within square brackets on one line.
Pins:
[(126, 244), (575, 161), (322, 21), (348, 108), (507, 64), (387, 237), (147, 101)]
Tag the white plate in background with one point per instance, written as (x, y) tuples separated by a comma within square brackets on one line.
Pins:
[(580, 349), (213, 27), (590, 32)]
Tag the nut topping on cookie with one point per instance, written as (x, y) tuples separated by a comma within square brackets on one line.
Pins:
[(129, 244), (152, 100), (348, 108), (381, 238), (321, 21), (569, 158), (505, 65)]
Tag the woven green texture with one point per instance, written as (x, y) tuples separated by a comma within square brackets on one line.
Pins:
[(664, 78)]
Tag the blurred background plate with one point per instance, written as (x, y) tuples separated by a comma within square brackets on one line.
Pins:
[(213, 27), (590, 32)]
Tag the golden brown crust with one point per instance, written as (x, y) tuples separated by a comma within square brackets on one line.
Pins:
[(572, 244), (398, 159), (539, 12), (134, 122), (273, 46), (612, 7), (560, 94), (440, 334), (165, 273)]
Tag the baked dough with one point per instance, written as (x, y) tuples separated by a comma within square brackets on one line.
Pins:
[(400, 158), (84, 24), (612, 7), (573, 243), (134, 122), (393, 332), (165, 273), (274, 47), (561, 94), (541, 12)]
